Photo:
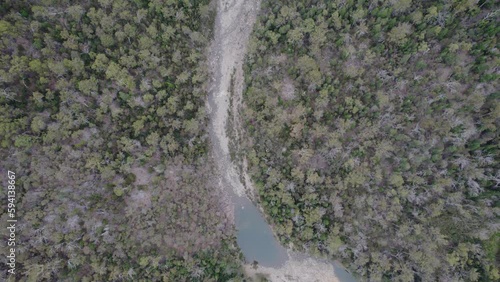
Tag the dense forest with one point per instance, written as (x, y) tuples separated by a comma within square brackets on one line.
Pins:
[(372, 133), (103, 121)]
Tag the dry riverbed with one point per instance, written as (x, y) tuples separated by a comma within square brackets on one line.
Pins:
[(234, 22), (295, 270)]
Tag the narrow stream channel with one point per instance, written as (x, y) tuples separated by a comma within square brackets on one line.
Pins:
[(234, 22)]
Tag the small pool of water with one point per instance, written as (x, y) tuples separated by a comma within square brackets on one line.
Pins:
[(342, 274), (255, 236), (257, 242)]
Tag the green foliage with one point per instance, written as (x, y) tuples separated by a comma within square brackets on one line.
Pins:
[(103, 122), (382, 141)]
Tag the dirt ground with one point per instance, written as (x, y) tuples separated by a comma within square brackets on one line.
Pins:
[(234, 24), (296, 270)]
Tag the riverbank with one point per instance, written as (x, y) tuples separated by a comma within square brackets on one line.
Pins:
[(297, 269)]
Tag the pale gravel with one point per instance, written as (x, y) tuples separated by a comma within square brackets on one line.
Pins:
[(296, 270), (234, 22)]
